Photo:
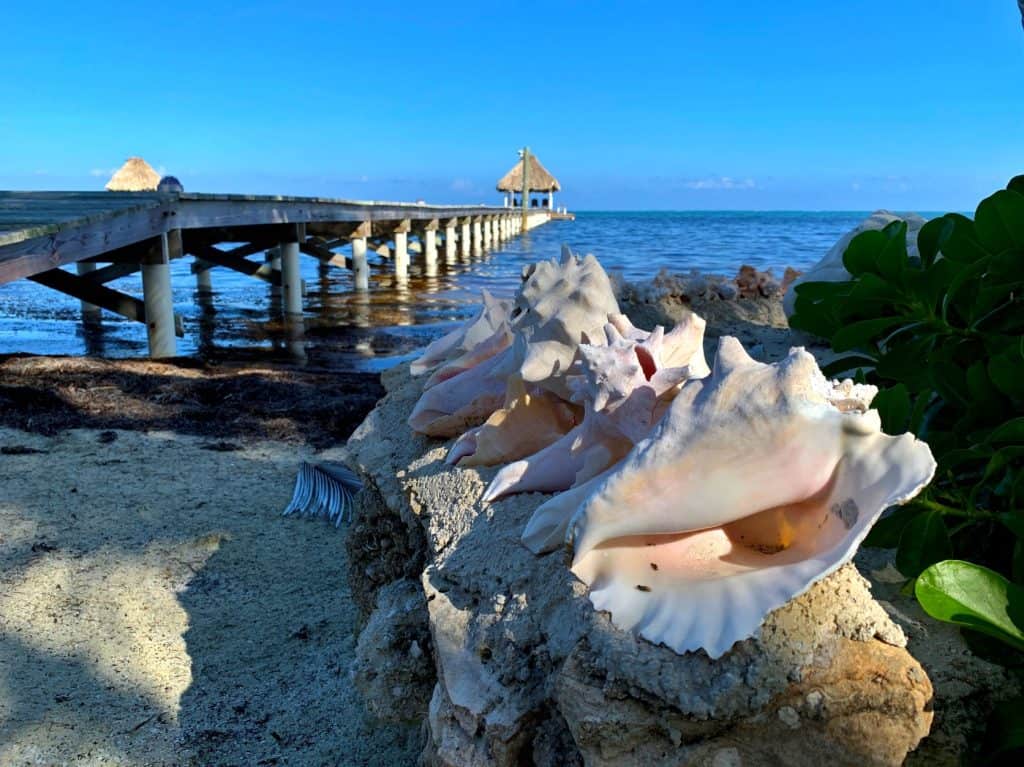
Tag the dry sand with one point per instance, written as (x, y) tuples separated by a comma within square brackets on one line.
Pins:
[(156, 609)]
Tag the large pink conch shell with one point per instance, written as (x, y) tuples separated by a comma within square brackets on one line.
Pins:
[(758, 481)]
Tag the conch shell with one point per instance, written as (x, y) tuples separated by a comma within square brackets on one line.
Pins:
[(625, 387), (558, 304), (493, 313), (758, 481)]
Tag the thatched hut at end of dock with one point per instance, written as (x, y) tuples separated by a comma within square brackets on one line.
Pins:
[(136, 175), (540, 179)]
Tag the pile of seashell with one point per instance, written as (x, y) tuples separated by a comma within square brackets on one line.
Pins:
[(695, 500)]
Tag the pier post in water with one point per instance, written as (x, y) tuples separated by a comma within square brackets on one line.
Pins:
[(204, 283), (90, 312), (401, 233), (157, 296), (429, 242), (449, 240), (464, 238), (291, 275), (360, 266), (478, 243), (495, 231)]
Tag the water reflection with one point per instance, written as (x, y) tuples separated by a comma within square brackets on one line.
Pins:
[(373, 329)]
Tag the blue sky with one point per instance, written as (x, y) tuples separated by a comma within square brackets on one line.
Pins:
[(805, 104)]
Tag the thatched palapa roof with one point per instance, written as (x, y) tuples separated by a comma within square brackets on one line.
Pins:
[(540, 179), (136, 175)]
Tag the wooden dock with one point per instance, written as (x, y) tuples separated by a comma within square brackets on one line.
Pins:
[(108, 235)]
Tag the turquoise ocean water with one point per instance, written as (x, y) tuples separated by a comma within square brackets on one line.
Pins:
[(374, 330)]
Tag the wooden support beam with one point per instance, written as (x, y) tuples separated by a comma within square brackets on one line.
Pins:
[(111, 272), (86, 290), (325, 254), (229, 260)]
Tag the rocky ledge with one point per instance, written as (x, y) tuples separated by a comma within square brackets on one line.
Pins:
[(503, 657)]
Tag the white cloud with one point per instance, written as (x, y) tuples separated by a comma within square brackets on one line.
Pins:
[(721, 182), (101, 173), (462, 185)]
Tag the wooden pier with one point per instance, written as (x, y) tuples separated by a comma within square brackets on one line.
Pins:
[(108, 235)]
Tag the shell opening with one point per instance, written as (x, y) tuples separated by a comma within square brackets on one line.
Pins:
[(775, 530)]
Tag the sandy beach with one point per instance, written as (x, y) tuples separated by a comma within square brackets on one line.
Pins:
[(155, 608)]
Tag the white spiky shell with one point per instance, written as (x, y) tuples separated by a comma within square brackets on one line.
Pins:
[(624, 386)]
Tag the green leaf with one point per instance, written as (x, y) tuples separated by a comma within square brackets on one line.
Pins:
[(950, 381), (973, 596), (887, 531), (999, 221), (1011, 431), (924, 542), (928, 240), (917, 415), (891, 260), (846, 363), (1007, 373), (960, 241), (893, 405), (862, 252), (905, 363), (872, 289), (858, 334), (1014, 522)]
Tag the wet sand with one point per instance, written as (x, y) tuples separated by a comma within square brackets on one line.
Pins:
[(155, 608)]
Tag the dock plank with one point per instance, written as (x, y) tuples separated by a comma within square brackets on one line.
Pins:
[(40, 231)]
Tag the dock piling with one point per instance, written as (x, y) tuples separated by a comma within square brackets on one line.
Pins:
[(360, 266), (204, 282), (401, 234), (429, 241), (477, 236), (464, 239), (449, 241), (157, 296), (291, 277)]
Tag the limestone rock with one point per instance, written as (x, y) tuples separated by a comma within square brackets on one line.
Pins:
[(831, 269), (527, 670), (393, 668)]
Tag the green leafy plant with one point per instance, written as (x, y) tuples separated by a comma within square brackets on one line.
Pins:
[(941, 333)]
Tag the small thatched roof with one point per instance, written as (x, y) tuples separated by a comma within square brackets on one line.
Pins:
[(540, 179), (136, 175)]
